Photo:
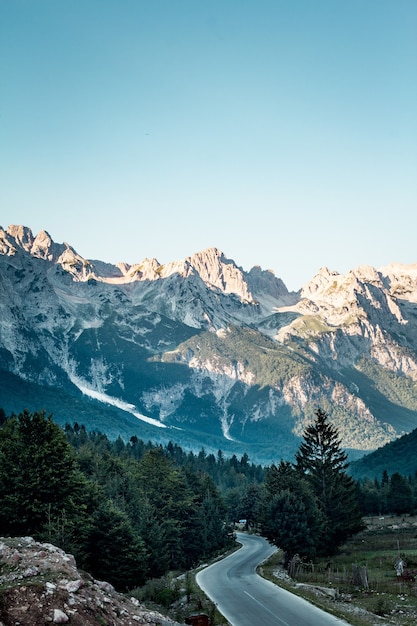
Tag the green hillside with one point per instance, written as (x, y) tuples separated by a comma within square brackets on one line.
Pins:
[(398, 456)]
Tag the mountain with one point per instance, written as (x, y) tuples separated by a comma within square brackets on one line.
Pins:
[(397, 456), (203, 353)]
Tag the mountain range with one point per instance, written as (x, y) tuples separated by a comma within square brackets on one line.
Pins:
[(203, 353)]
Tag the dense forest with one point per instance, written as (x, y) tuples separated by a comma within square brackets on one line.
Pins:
[(131, 511), (127, 511)]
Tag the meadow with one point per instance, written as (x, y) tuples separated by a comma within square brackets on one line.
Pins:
[(371, 580)]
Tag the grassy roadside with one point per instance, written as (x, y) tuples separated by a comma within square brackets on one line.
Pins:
[(178, 595), (360, 583)]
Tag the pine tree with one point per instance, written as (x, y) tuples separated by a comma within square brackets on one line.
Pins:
[(250, 503), (286, 477), (165, 488), (322, 462), (286, 524), (400, 495), (385, 483), (42, 492), (114, 551)]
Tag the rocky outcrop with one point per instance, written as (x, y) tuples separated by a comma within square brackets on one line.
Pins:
[(41, 585)]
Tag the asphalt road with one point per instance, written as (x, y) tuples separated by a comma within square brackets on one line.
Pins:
[(246, 599)]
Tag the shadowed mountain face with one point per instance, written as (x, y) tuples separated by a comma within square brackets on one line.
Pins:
[(203, 353)]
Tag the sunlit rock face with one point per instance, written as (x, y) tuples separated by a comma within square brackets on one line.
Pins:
[(203, 352)]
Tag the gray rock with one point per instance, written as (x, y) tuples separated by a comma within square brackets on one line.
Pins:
[(60, 617)]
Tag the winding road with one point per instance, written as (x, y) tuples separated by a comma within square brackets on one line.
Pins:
[(246, 599)]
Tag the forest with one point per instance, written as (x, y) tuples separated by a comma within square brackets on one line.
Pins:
[(130, 511)]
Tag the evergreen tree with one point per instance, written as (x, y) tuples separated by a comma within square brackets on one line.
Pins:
[(286, 525), (42, 492), (385, 483), (400, 495), (322, 462), (233, 499), (212, 515), (370, 497), (167, 491), (114, 551), (251, 503), (285, 477)]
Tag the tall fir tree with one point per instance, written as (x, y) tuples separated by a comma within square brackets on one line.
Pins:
[(322, 462), (284, 478)]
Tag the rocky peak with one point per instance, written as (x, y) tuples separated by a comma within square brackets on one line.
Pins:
[(15, 237), (6, 245), (337, 321), (218, 271), (213, 268), (44, 248), (73, 263), (148, 269), (402, 280), (41, 246), (320, 282), (22, 235), (336, 289), (265, 281), (367, 274), (361, 294)]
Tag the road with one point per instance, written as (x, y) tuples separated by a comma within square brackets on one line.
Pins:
[(246, 599)]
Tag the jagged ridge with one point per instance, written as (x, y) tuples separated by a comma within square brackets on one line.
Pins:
[(201, 345)]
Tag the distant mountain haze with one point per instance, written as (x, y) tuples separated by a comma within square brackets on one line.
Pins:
[(204, 353)]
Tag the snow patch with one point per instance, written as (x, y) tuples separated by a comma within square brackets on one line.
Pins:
[(120, 404), (226, 422)]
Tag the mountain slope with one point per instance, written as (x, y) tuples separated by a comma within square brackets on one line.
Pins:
[(396, 456), (200, 351)]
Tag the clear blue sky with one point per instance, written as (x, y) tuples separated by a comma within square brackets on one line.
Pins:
[(283, 132)]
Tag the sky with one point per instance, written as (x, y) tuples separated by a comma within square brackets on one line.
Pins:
[(283, 132)]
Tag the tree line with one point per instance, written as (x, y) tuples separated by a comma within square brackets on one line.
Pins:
[(395, 494), (130, 511)]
